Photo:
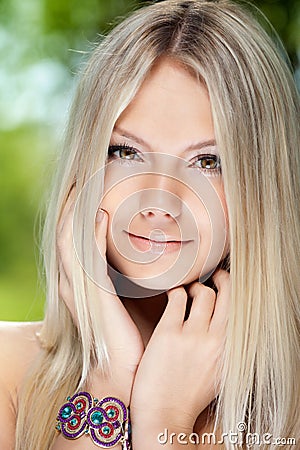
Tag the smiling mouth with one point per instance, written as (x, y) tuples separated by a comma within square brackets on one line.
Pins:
[(157, 246)]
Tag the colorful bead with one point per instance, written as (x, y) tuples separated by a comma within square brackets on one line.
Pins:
[(112, 412), (97, 417), (67, 411), (106, 430)]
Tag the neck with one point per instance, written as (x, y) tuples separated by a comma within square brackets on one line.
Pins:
[(144, 306), (146, 313)]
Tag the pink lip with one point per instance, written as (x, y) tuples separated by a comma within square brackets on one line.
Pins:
[(145, 244)]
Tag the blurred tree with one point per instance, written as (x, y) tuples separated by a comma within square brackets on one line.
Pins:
[(22, 174), (284, 15), (80, 22)]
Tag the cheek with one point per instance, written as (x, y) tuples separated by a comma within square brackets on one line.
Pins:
[(211, 217), (223, 203), (117, 201), (115, 194)]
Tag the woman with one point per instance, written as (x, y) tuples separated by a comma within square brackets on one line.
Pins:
[(181, 155)]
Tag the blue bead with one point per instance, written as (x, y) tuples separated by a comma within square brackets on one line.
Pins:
[(97, 418), (106, 430), (111, 413), (66, 412)]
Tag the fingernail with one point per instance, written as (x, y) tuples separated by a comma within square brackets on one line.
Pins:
[(99, 215)]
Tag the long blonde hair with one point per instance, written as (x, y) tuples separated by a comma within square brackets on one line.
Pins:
[(255, 108)]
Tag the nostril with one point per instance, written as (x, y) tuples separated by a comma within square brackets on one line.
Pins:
[(160, 204), (149, 213), (153, 212)]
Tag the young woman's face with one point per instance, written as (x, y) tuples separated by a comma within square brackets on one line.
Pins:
[(163, 184)]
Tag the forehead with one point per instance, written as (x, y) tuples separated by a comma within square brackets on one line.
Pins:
[(170, 106)]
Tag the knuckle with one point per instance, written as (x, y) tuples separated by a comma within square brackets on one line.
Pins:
[(207, 292), (177, 294), (221, 277), (200, 290)]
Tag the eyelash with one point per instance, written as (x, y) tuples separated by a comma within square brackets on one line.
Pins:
[(119, 147), (112, 149)]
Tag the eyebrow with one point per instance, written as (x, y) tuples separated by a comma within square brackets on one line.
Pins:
[(128, 135)]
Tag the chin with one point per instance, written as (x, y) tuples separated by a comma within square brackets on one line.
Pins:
[(150, 283), (166, 282)]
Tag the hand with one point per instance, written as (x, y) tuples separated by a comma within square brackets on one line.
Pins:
[(178, 375), (123, 340)]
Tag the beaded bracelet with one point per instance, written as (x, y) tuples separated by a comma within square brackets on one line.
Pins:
[(106, 421)]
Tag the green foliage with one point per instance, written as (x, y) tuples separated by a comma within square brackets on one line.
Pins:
[(23, 158), (284, 15)]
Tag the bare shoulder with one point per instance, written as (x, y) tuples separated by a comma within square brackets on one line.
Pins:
[(19, 345)]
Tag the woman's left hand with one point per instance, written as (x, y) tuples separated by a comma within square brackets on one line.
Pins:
[(178, 375)]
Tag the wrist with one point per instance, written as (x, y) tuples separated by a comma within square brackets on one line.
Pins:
[(162, 417), (158, 428), (100, 385)]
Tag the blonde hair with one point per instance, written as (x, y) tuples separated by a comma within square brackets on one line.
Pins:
[(255, 109)]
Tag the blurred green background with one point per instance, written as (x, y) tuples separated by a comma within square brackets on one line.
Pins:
[(41, 45)]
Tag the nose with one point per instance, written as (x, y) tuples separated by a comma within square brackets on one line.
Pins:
[(160, 206)]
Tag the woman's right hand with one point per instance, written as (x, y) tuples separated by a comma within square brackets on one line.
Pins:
[(123, 340)]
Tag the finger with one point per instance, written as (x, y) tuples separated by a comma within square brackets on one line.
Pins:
[(219, 320), (101, 231), (66, 209), (99, 256), (65, 292), (202, 309), (101, 276), (174, 312), (63, 279), (65, 243), (105, 294)]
